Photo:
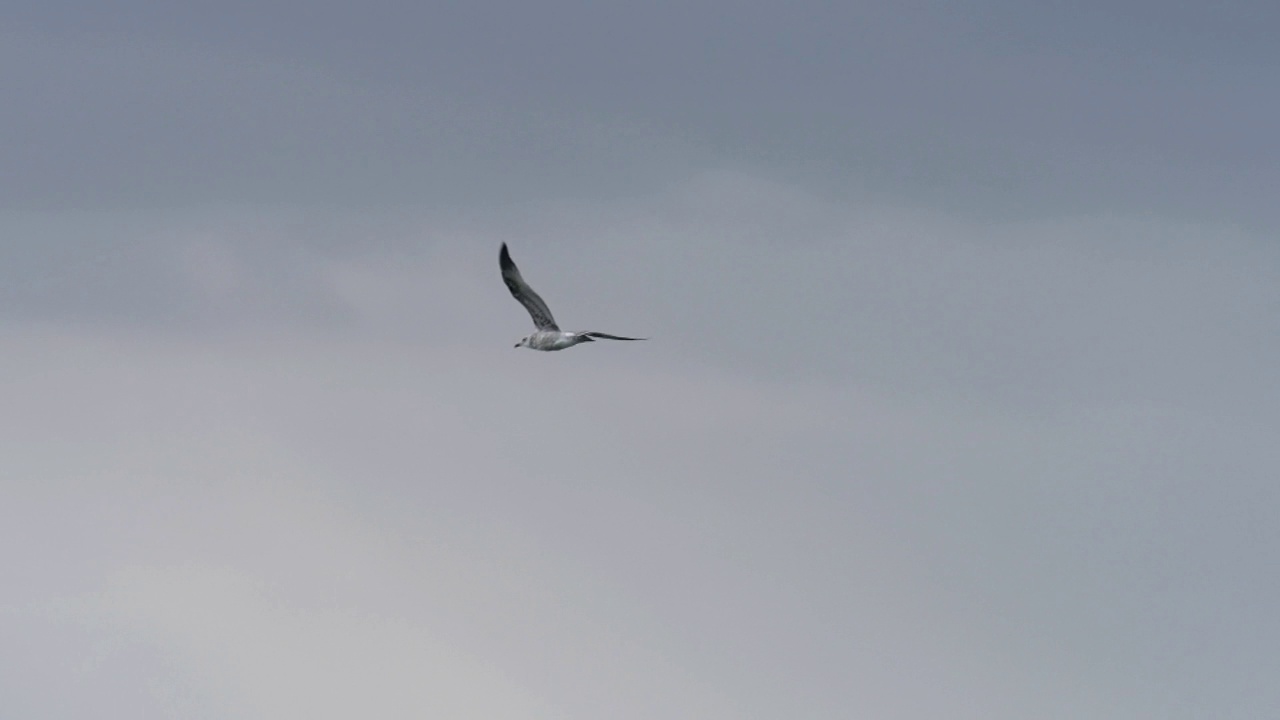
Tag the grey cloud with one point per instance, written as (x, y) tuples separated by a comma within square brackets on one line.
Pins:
[(145, 123), (988, 110), (748, 545), (1138, 309), (960, 400)]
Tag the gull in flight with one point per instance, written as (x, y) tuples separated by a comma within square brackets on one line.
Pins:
[(548, 335)]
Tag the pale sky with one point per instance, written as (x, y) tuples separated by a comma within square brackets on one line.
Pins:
[(961, 398)]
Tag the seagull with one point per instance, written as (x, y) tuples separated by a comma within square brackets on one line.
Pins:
[(548, 336)]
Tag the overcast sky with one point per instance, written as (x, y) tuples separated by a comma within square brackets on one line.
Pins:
[(961, 398)]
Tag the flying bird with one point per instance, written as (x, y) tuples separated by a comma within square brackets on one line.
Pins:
[(548, 335)]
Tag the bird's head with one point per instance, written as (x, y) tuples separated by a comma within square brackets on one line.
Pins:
[(524, 342)]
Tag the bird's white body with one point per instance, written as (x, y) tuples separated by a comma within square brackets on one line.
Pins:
[(552, 340)]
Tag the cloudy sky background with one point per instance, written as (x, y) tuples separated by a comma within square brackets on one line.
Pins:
[(961, 399)]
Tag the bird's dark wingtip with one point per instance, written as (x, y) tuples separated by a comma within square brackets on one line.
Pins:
[(504, 257)]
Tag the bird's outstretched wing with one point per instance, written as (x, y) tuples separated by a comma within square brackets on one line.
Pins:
[(521, 291), (607, 336)]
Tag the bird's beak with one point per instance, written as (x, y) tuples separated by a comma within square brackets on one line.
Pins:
[(517, 345)]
